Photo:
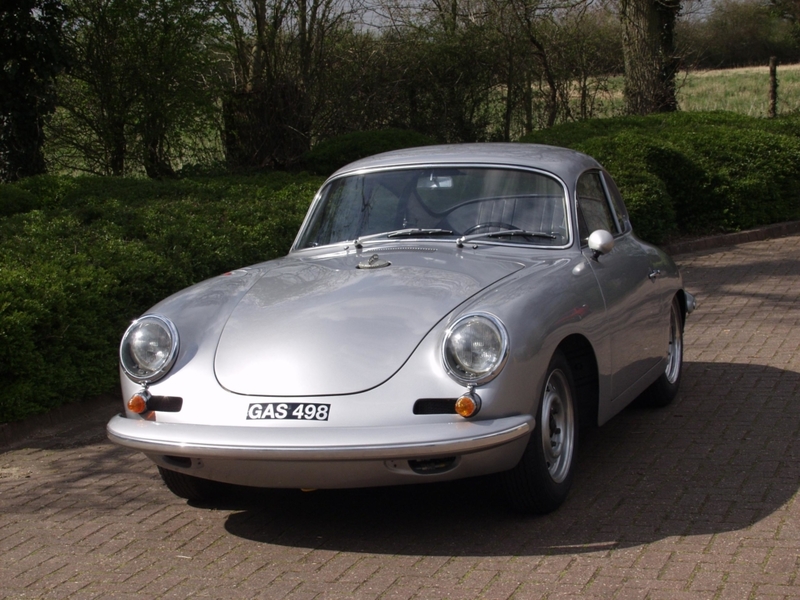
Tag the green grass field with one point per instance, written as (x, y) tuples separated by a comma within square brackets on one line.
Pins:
[(744, 91)]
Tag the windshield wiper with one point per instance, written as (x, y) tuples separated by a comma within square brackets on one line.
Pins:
[(505, 233), (401, 233), (413, 232)]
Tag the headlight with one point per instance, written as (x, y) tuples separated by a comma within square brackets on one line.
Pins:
[(475, 348), (149, 348)]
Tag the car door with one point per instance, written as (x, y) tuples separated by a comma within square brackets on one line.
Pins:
[(626, 277)]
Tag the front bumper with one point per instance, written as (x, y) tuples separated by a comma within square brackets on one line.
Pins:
[(326, 457), (332, 443)]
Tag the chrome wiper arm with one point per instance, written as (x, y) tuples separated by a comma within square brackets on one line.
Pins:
[(358, 241), (418, 231), (520, 232), (504, 233), (401, 233)]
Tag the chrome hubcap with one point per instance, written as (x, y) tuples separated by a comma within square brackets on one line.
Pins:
[(675, 351), (558, 426)]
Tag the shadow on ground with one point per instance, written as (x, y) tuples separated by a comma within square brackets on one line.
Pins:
[(69, 426), (722, 457)]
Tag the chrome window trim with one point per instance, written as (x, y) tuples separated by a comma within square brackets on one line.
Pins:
[(445, 165), (620, 230)]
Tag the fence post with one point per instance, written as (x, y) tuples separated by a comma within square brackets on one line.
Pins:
[(773, 87)]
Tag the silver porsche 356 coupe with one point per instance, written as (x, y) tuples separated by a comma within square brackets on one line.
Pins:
[(444, 312)]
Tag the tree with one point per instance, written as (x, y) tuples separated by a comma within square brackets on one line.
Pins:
[(788, 10), (553, 57), (738, 33), (649, 52), (31, 56), (442, 65), (280, 52), (533, 16), (142, 85), (445, 80), (587, 45), (93, 129), (173, 77)]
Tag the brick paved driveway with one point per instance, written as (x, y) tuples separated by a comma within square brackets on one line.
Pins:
[(698, 500)]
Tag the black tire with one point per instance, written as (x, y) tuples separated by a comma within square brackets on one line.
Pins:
[(664, 389), (540, 482), (192, 488)]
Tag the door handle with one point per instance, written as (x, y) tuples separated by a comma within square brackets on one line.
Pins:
[(654, 274)]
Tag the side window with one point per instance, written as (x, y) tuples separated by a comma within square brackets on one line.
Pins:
[(617, 203), (594, 211)]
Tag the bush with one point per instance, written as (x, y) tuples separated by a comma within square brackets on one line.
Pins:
[(330, 155), (80, 257), (14, 200), (95, 253), (647, 198), (694, 173)]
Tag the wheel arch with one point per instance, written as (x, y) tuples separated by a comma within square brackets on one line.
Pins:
[(681, 294), (582, 360)]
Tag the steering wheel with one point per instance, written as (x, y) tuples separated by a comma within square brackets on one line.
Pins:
[(498, 224)]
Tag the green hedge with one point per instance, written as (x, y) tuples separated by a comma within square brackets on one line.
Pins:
[(330, 155), (694, 173), (81, 257)]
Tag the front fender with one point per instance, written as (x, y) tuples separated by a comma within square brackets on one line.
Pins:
[(541, 306)]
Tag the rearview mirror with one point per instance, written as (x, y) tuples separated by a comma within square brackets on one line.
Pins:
[(433, 182)]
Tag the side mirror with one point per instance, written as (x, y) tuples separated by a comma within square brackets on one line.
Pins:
[(601, 242)]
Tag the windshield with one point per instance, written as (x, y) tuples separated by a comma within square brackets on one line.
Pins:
[(441, 202)]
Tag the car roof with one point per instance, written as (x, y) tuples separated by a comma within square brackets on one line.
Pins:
[(562, 162)]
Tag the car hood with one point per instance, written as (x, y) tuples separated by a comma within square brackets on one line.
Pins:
[(322, 326)]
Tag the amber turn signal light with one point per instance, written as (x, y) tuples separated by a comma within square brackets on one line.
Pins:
[(468, 405), (138, 403)]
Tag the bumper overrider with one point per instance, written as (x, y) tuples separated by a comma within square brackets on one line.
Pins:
[(328, 457)]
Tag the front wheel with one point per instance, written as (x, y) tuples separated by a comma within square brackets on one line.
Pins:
[(542, 479)]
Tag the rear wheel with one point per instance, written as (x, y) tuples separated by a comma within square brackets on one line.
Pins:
[(542, 479), (191, 488), (665, 388)]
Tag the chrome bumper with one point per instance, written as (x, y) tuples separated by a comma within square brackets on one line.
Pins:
[(317, 443)]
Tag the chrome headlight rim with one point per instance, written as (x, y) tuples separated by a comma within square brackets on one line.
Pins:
[(462, 375), (127, 363)]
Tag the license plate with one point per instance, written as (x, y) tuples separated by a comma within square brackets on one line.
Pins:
[(288, 411)]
